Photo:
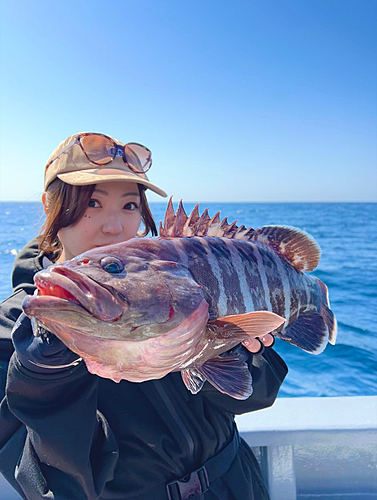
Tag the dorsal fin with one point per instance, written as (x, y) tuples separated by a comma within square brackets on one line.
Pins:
[(202, 224), (295, 245), (298, 247), (169, 221), (180, 225), (191, 222)]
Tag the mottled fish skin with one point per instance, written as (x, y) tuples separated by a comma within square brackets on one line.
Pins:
[(242, 276)]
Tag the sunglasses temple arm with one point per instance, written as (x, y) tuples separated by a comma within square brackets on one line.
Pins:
[(75, 141)]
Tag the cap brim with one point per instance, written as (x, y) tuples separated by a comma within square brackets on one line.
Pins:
[(98, 176)]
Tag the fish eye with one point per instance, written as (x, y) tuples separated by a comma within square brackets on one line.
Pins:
[(112, 265)]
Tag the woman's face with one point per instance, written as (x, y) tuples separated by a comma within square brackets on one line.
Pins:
[(113, 216)]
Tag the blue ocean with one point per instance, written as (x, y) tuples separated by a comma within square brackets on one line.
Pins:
[(347, 234)]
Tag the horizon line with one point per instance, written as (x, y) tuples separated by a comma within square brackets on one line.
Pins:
[(220, 201)]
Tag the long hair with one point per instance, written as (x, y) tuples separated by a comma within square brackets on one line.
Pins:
[(66, 204)]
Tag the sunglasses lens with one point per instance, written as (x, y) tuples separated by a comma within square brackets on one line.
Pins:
[(99, 149), (138, 157)]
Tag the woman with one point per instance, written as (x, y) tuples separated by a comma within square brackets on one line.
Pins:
[(67, 434)]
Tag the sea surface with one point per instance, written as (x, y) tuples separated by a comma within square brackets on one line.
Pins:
[(347, 235)]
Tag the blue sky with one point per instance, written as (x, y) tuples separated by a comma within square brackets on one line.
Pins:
[(259, 100)]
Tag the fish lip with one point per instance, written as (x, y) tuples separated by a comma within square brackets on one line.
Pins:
[(47, 302), (87, 293)]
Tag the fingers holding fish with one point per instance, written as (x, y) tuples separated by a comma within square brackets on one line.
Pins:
[(253, 345), (267, 340), (256, 345)]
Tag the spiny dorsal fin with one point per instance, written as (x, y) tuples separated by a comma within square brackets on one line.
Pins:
[(298, 247), (179, 225), (295, 245), (169, 220), (202, 224), (191, 221)]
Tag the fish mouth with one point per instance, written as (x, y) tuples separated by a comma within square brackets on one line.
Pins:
[(64, 288)]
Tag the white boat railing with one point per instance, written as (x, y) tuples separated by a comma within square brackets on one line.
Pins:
[(309, 448), (316, 448)]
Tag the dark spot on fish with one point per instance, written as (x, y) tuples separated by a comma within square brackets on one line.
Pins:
[(268, 259), (194, 247), (219, 248), (246, 252)]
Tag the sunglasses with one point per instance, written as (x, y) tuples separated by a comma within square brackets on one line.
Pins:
[(102, 150)]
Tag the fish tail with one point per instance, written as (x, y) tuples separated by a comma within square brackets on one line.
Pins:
[(314, 327), (326, 313)]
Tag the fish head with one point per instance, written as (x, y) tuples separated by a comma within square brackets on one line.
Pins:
[(122, 292)]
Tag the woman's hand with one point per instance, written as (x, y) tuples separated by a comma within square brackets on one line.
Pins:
[(257, 345), (41, 353), (253, 345)]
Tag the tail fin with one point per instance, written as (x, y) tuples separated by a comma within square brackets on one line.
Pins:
[(326, 313), (313, 329)]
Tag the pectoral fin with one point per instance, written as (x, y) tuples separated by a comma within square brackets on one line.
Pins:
[(252, 324)]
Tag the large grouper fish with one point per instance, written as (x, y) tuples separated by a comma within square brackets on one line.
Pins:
[(141, 309)]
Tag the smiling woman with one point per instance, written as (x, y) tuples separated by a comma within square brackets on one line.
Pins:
[(111, 216), (68, 206), (81, 435)]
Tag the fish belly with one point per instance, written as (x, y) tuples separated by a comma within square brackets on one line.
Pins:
[(148, 359)]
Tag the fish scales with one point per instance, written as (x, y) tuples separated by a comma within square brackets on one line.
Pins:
[(272, 283), (218, 273), (270, 264), (252, 275), (247, 303), (229, 274), (302, 296), (202, 271), (263, 275), (140, 309), (297, 297), (177, 246), (284, 305), (221, 274)]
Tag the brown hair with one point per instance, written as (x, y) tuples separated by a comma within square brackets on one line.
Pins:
[(66, 204)]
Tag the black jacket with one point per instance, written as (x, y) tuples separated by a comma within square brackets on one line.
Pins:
[(73, 435)]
